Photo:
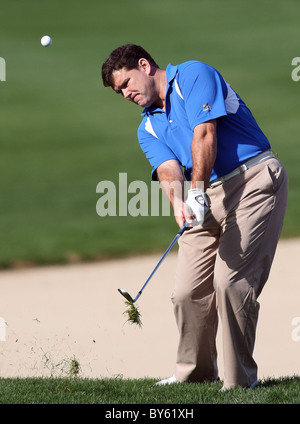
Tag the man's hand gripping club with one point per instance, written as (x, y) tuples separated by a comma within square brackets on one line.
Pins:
[(195, 207)]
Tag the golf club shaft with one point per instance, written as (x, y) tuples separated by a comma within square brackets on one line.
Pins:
[(180, 232)]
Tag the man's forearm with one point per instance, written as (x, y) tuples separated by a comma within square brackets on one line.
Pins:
[(204, 151), (172, 183)]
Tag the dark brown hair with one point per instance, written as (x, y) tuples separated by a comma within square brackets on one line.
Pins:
[(126, 56)]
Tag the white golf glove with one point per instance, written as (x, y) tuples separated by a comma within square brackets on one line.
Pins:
[(197, 205)]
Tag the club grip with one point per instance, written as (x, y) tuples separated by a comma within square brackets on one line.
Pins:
[(183, 228)]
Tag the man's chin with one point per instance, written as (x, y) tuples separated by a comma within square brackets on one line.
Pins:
[(142, 103)]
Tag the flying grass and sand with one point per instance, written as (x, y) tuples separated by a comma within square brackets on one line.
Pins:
[(133, 313)]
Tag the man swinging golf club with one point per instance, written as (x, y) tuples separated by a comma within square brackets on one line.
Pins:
[(194, 121)]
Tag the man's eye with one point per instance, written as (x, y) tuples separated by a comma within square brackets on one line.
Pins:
[(124, 85)]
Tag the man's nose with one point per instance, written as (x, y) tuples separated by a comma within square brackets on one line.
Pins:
[(126, 93)]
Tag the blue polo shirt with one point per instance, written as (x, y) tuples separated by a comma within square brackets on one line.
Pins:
[(196, 93)]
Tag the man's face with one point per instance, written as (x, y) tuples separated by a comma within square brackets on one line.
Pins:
[(136, 85)]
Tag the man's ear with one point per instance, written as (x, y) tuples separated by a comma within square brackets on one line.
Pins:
[(144, 65)]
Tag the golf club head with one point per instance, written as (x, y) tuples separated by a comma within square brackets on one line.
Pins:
[(126, 295)]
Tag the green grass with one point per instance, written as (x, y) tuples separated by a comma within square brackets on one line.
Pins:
[(285, 390), (62, 132)]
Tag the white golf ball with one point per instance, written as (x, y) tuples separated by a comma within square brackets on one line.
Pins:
[(46, 41)]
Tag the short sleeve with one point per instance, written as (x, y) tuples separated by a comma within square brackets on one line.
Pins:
[(204, 92), (156, 151)]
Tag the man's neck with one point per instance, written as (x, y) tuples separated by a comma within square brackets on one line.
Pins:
[(161, 87)]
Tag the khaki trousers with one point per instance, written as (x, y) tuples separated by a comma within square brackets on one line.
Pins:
[(223, 266)]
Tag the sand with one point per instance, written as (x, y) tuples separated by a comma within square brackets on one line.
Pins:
[(53, 318)]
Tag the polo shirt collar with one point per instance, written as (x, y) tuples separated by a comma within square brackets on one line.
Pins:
[(170, 74)]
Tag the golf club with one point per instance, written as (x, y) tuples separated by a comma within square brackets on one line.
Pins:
[(126, 294)]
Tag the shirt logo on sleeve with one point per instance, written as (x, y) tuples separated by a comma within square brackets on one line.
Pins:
[(206, 107)]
